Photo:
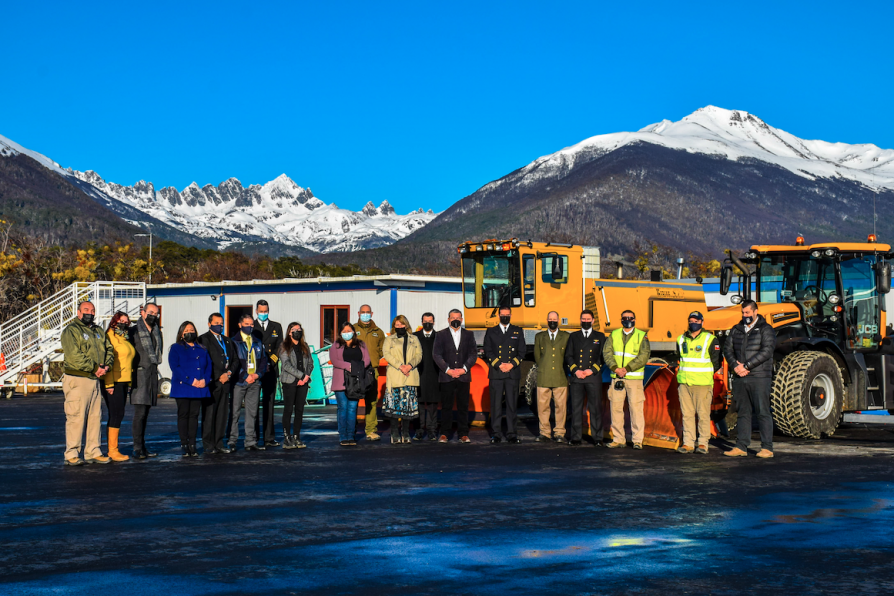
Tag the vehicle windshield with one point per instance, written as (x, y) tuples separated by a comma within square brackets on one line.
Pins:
[(491, 279), (795, 278)]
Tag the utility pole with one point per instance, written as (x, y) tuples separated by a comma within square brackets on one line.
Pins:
[(150, 253)]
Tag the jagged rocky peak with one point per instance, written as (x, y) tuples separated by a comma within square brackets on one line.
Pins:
[(385, 208), (369, 209)]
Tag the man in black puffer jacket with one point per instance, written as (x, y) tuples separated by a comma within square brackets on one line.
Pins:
[(748, 350)]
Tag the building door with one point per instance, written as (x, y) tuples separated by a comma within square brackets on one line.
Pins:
[(234, 313), (331, 320)]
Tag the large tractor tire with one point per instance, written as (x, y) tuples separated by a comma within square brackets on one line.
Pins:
[(808, 395), (531, 387)]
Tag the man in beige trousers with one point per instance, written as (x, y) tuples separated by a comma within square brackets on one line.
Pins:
[(700, 358), (626, 353), (88, 356), (552, 382)]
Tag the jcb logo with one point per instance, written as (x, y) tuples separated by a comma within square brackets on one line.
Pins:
[(867, 329)]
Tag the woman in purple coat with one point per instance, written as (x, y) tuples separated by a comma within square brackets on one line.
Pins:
[(346, 353), (190, 376)]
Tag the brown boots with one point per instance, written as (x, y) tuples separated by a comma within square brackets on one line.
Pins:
[(113, 446)]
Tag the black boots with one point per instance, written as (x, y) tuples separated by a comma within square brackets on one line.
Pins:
[(185, 450), (287, 441)]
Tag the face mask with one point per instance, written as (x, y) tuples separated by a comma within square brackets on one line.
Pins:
[(366, 317), (553, 325), (189, 337), (262, 316), (748, 320), (586, 325), (401, 331), (247, 329), (628, 323), (121, 330), (693, 327), (151, 320), (296, 335), (87, 319), (456, 323), (218, 329), (348, 336), (428, 326), (504, 320)]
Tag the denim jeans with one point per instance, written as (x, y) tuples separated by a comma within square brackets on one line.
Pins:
[(347, 416)]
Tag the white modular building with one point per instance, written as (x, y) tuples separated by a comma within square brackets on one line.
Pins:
[(319, 304)]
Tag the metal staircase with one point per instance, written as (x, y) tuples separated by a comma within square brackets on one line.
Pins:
[(34, 336)]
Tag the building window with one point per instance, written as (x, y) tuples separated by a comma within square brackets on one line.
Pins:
[(331, 320)]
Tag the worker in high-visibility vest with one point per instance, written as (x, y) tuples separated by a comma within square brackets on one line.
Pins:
[(700, 358), (626, 354)]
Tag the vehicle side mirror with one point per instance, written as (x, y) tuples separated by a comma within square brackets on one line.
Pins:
[(558, 271), (726, 279), (883, 278)]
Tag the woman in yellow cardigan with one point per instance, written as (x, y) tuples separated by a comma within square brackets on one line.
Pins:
[(117, 381), (403, 353)]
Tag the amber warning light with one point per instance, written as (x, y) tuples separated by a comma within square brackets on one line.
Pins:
[(799, 241), (872, 239)]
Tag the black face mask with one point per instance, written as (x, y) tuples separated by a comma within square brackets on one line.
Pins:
[(401, 331), (748, 320), (586, 325), (151, 320), (428, 326), (87, 319), (553, 325), (296, 335), (628, 323), (456, 324), (189, 337), (504, 320), (693, 327)]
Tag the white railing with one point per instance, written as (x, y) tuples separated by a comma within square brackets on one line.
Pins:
[(35, 334)]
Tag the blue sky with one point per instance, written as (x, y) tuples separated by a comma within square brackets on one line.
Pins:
[(417, 103)]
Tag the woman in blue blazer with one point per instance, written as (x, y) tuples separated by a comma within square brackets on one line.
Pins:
[(190, 376)]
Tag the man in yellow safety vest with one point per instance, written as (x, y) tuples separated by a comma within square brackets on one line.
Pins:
[(626, 354), (700, 358)]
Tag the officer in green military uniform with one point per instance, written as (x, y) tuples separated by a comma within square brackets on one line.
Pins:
[(552, 383), (374, 338), (700, 358)]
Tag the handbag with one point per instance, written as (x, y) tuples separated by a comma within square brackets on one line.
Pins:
[(357, 381)]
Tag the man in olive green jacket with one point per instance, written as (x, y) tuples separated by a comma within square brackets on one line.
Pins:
[(88, 355), (370, 334), (552, 382)]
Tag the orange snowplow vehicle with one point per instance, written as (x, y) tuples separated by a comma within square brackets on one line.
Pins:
[(534, 278)]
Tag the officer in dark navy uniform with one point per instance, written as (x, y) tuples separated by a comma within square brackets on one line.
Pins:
[(504, 350), (583, 359)]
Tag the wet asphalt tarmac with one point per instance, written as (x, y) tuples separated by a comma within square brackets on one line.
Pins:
[(440, 519)]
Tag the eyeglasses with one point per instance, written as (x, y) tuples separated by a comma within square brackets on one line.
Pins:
[(628, 318)]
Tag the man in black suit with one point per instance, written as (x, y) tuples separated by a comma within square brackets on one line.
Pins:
[(268, 333), (224, 365), (504, 349), (455, 353), (429, 387), (583, 358)]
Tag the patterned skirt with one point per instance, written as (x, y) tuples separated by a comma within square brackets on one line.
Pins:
[(401, 402)]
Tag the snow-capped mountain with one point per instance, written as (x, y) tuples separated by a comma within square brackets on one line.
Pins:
[(280, 211), (229, 213), (739, 136)]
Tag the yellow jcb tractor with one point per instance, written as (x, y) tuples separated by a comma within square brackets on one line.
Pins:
[(534, 278), (827, 304)]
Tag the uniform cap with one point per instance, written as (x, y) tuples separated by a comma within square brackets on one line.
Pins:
[(696, 315)]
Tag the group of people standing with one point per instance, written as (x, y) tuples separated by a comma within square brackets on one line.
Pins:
[(214, 376)]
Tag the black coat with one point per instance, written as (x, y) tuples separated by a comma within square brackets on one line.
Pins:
[(585, 353), (447, 356), (272, 340), (222, 360), (502, 347), (429, 387), (754, 349)]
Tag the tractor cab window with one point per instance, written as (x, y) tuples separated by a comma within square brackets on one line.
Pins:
[(491, 279), (802, 279), (555, 269), (860, 300), (529, 269)]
